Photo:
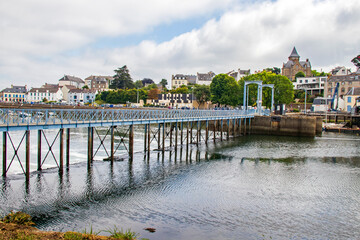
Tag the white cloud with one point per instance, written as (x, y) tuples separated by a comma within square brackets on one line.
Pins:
[(252, 35)]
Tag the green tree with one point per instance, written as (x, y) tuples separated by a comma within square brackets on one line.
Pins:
[(225, 90), (318, 74), (299, 74), (163, 82), (122, 79), (283, 88), (202, 93), (85, 87), (182, 89), (138, 84)]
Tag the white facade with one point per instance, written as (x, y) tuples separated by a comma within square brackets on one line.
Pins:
[(314, 85), (81, 96), (39, 94)]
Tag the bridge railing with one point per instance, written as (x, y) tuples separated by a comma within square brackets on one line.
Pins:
[(21, 117)]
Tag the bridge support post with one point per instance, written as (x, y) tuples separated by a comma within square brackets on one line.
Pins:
[(39, 151), (90, 144), (61, 160), (148, 140), (112, 139), (244, 126), (187, 135), (67, 147), (27, 155), (234, 127), (214, 132), (4, 154), (249, 126), (239, 126), (131, 143), (181, 133), (159, 132), (191, 132), (171, 134), (198, 132), (145, 137), (228, 130), (176, 135), (221, 130), (163, 137), (207, 132)]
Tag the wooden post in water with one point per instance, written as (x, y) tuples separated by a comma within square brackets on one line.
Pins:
[(148, 140), (131, 143), (145, 137), (234, 127), (181, 133), (221, 130), (27, 155), (90, 144), (112, 143), (171, 134), (207, 132), (228, 130), (249, 126), (39, 151), (176, 134), (4, 154), (159, 132), (61, 160), (245, 126), (163, 138), (191, 132), (214, 132), (187, 135), (198, 132), (67, 147)]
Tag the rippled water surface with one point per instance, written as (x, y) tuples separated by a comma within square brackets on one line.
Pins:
[(253, 187)]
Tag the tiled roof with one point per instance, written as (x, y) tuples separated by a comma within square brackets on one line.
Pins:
[(44, 90), (15, 89), (71, 78), (294, 53), (82, 91), (354, 91)]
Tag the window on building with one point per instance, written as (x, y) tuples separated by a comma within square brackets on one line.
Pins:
[(349, 99), (343, 90), (300, 81)]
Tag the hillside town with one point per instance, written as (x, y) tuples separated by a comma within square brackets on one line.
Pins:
[(337, 90)]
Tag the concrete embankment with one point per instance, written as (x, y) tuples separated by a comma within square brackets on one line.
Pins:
[(287, 125)]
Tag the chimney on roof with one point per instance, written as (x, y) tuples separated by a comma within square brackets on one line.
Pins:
[(307, 60)]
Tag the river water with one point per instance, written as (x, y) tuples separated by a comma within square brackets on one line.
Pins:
[(252, 187)]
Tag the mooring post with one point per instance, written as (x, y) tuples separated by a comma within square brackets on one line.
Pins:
[(4, 153), (27, 155), (67, 147), (61, 160), (39, 151), (207, 132), (131, 143), (90, 144), (112, 143)]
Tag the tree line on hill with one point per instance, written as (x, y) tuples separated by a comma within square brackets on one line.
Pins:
[(223, 90)]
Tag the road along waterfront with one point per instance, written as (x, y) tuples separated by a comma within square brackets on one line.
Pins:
[(252, 187)]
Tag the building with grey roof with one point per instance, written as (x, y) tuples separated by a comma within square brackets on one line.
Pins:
[(71, 80), (294, 65), (14, 94)]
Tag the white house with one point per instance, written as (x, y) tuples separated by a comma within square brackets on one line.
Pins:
[(204, 78), (314, 85), (50, 94), (81, 96), (239, 74)]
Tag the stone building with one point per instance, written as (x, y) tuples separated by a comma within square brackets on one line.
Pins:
[(294, 65)]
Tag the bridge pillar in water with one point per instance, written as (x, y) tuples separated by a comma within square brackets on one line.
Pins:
[(176, 135), (67, 147), (131, 143), (159, 132), (221, 130), (39, 151), (148, 140), (27, 155), (112, 139), (207, 132), (61, 160), (90, 145), (228, 130), (163, 137), (4, 154), (171, 134)]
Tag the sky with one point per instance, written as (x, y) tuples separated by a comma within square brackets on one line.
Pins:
[(42, 40)]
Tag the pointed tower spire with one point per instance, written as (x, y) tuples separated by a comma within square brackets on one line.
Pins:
[(294, 54)]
